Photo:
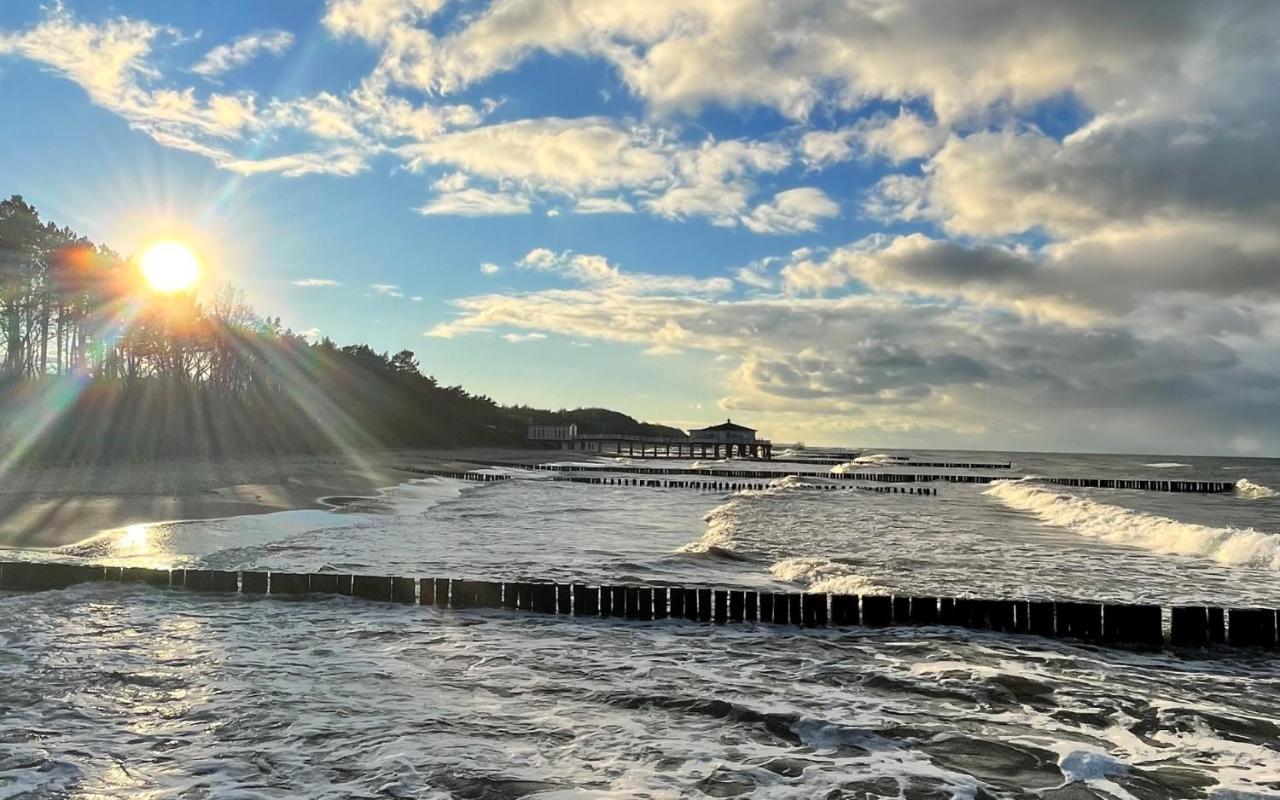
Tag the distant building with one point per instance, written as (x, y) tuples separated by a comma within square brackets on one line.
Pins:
[(725, 433), (719, 441), (553, 433)]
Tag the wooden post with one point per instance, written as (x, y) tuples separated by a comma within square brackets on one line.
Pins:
[(210, 580), (691, 604), (877, 610), (751, 609), (766, 606), (404, 590), (660, 608), (1190, 626), (947, 611), (844, 609), (586, 601), (795, 611), (901, 610), (1251, 627), (253, 582), (814, 609), (1042, 618), (677, 602), (721, 606), (781, 608), (291, 583), (524, 596), (544, 598), (1133, 624), (924, 610), (737, 605), (152, 577), (1217, 625), (704, 605), (480, 594), (1001, 615), (564, 598), (371, 587)]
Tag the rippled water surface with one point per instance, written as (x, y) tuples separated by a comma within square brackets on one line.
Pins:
[(126, 691)]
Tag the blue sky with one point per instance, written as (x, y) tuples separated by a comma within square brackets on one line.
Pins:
[(1006, 225)]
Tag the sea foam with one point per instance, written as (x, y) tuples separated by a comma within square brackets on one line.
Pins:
[(1253, 491), (824, 575), (1149, 531)]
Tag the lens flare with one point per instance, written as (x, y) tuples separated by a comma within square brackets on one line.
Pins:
[(170, 267)]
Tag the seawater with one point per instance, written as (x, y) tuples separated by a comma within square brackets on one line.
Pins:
[(127, 691)]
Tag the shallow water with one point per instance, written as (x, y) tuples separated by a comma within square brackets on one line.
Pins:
[(111, 690)]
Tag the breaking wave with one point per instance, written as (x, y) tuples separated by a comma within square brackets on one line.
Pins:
[(1166, 465), (1124, 526), (824, 575), (1253, 491)]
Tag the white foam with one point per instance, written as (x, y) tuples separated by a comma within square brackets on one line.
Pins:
[(720, 532), (1253, 491), (1166, 465), (1124, 526), (824, 575)]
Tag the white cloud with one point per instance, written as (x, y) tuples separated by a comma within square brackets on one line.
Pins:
[(490, 268), (226, 57), (314, 282), (549, 154), (898, 138), (792, 211), (595, 270), (516, 338), (603, 205), (387, 290), (475, 203)]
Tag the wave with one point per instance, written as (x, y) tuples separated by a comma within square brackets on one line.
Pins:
[(873, 460), (1237, 546), (1253, 491), (1166, 465), (824, 575), (719, 537)]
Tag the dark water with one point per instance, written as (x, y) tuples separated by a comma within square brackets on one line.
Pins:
[(122, 691)]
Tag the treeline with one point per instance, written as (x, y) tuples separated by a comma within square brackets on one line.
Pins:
[(97, 368)]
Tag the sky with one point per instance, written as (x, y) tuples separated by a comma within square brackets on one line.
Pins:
[(998, 224)]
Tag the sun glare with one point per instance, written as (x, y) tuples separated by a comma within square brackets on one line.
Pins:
[(170, 267)]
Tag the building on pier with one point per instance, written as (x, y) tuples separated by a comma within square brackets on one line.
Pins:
[(727, 440)]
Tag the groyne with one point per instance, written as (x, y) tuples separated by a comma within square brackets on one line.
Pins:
[(1135, 484), (1139, 625)]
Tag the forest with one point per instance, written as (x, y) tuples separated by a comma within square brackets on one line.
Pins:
[(95, 368)]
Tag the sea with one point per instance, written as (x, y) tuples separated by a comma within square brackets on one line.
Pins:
[(121, 690)]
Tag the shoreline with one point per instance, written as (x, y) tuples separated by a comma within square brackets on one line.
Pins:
[(51, 507)]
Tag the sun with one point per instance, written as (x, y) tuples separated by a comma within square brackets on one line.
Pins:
[(170, 267)]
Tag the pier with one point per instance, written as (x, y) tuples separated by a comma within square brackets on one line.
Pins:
[(1113, 624), (726, 440)]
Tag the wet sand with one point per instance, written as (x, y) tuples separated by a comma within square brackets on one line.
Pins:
[(55, 506)]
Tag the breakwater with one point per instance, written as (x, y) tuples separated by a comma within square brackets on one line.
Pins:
[(1103, 623), (1136, 484)]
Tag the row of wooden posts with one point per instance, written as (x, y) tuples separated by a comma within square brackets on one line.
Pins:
[(1104, 623), (725, 486), (706, 486), (1197, 487)]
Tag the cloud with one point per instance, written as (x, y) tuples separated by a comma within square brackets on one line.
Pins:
[(490, 268), (475, 203), (549, 154), (684, 56), (387, 289), (595, 270), (603, 205), (517, 338), (226, 57), (314, 282), (792, 211), (898, 138)]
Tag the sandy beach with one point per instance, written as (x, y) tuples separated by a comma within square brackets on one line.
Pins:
[(60, 505)]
